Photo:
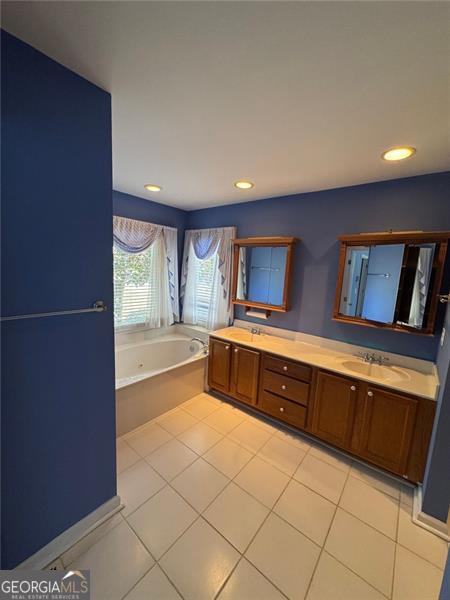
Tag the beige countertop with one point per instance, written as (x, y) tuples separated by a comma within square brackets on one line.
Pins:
[(423, 383)]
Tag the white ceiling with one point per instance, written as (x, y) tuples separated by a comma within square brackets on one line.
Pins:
[(296, 96)]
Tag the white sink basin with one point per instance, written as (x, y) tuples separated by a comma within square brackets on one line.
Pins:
[(377, 371), (243, 336)]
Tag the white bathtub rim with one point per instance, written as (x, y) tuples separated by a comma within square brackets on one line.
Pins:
[(124, 382), (167, 337)]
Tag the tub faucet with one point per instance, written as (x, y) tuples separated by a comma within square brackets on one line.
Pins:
[(203, 343)]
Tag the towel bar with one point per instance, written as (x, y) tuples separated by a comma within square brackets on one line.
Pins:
[(98, 306)]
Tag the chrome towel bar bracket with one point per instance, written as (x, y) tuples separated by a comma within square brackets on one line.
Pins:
[(98, 306)]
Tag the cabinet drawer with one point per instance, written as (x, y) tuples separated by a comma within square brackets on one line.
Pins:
[(289, 388), (282, 409), (286, 367)]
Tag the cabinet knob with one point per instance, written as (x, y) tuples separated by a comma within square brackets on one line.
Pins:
[(283, 387), (353, 388), (281, 409), (236, 350), (227, 347), (285, 368), (370, 394)]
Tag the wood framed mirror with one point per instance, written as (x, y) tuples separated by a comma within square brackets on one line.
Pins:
[(262, 272), (391, 280)]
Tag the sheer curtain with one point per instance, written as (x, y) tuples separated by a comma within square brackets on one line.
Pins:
[(160, 312), (206, 275), (170, 236), (241, 291), (420, 290), (145, 291)]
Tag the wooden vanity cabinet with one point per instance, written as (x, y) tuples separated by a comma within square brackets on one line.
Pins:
[(285, 390), (244, 374), (393, 430), (233, 370), (282, 409), (333, 414), (388, 429), (219, 365)]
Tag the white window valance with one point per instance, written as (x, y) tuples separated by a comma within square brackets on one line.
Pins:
[(205, 292), (133, 236)]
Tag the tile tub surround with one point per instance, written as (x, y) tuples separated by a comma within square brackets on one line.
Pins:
[(266, 506), (151, 397), (329, 354), (141, 397)]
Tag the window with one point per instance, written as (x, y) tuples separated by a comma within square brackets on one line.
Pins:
[(134, 289), (205, 278), (145, 274), (204, 282)]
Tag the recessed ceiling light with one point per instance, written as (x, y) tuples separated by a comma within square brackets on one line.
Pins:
[(244, 185), (398, 153), (151, 187)]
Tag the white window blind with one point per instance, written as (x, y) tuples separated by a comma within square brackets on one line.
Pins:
[(135, 291), (204, 283)]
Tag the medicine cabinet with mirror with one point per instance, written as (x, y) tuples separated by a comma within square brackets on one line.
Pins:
[(262, 272), (391, 280)]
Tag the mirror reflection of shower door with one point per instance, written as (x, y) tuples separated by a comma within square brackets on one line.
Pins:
[(362, 286), (384, 267)]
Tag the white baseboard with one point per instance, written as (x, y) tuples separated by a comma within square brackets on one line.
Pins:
[(428, 522), (71, 536)]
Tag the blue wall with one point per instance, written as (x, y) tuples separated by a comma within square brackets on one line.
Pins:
[(436, 487), (58, 405), (126, 205), (318, 219)]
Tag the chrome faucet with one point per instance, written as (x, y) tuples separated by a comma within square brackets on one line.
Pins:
[(255, 331), (202, 342), (371, 358)]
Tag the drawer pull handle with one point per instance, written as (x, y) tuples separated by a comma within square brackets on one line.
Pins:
[(353, 388), (236, 350), (370, 394), (285, 368), (281, 409), (283, 387), (227, 347)]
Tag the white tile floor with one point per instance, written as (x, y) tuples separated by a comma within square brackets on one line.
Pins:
[(220, 504)]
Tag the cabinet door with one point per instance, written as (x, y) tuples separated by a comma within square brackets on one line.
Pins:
[(219, 365), (244, 377), (387, 429), (334, 409)]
